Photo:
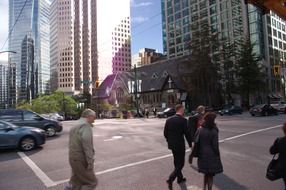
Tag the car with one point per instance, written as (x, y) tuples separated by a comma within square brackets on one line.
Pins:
[(168, 112), (24, 138), (280, 106), (263, 110), (230, 110), (23, 117)]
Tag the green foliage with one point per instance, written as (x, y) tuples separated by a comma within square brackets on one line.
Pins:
[(248, 71), (56, 102), (203, 80)]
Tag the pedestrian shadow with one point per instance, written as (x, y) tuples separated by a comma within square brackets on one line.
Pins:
[(223, 182), (183, 186)]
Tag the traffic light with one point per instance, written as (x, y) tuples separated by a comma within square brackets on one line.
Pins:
[(276, 70)]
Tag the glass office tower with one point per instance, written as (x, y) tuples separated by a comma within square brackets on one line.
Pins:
[(33, 21)]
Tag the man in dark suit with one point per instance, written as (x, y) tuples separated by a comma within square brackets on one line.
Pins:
[(175, 130)]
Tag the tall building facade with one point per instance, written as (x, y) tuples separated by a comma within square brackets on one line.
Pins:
[(228, 18), (29, 79), (232, 20), (33, 21), (3, 85), (145, 57), (98, 42)]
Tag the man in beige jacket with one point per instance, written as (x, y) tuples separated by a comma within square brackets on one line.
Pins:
[(81, 153)]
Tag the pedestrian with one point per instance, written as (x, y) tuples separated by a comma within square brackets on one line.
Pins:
[(81, 153), (209, 162), (154, 111), (175, 130), (195, 121), (279, 147), (147, 112)]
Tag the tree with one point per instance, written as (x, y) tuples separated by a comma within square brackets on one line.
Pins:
[(55, 102), (202, 81), (250, 76)]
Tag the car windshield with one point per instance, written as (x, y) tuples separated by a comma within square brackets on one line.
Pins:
[(4, 123)]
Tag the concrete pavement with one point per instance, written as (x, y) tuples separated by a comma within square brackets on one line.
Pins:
[(132, 154)]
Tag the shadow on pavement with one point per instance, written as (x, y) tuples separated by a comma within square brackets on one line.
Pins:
[(223, 182)]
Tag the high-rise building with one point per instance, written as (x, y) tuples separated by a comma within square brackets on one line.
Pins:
[(29, 79), (232, 20), (31, 18), (62, 47), (88, 43), (113, 34), (228, 18), (3, 85), (146, 56)]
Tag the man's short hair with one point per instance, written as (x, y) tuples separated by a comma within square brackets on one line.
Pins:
[(200, 109), (178, 107), (88, 112)]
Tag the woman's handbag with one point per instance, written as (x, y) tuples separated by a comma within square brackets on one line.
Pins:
[(273, 169), (196, 148)]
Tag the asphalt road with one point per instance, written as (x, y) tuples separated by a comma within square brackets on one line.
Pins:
[(132, 155)]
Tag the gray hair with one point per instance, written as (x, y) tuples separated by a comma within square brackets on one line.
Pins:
[(88, 112)]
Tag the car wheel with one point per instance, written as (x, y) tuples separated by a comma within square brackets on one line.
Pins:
[(27, 143), (50, 131)]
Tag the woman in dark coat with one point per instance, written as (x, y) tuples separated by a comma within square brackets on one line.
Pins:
[(209, 162), (279, 147)]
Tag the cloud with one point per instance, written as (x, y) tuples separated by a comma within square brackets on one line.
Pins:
[(139, 19), (4, 27), (143, 4)]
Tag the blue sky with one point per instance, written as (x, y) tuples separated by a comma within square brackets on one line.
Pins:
[(146, 25)]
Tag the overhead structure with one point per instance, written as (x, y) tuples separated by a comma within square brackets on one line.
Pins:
[(277, 6)]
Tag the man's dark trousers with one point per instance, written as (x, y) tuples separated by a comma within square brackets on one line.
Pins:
[(179, 162)]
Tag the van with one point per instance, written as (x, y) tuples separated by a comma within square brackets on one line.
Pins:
[(22, 117)]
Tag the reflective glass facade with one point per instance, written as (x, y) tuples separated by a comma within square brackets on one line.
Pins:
[(34, 21)]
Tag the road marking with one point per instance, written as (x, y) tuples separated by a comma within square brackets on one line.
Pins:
[(49, 183), (41, 175), (249, 133), (193, 187), (114, 138)]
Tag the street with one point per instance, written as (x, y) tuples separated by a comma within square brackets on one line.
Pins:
[(132, 155)]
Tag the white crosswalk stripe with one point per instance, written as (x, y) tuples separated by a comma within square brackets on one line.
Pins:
[(193, 187)]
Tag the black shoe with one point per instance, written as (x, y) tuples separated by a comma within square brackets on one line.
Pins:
[(183, 180), (170, 184)]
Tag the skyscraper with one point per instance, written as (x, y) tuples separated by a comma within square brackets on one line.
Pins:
[(31, 17), (232, 21), (228, 18), (97, 41)]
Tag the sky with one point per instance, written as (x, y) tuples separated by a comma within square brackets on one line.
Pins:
[(146, 26)]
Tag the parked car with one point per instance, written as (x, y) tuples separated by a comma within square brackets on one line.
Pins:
[(24, 138), (168, 112), (28, 118), (281, 107), (230, 109), (263, 110)]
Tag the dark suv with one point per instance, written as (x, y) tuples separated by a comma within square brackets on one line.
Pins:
[(28, 118)]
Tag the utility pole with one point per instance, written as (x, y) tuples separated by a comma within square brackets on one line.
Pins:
[(136, 91)]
